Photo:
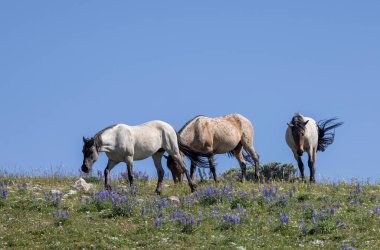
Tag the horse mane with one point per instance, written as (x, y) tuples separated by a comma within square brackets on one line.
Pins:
[(187, 123), (298, 122), (96, 137)]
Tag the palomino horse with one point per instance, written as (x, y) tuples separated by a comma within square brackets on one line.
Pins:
[(304, 134), (228, 134), (123, 143)]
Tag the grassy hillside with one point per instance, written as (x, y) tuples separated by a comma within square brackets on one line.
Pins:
[(44, 213)]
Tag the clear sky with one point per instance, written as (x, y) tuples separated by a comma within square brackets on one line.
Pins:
[(71, 68)]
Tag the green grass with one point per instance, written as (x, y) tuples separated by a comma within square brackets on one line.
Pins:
[(26, 217)]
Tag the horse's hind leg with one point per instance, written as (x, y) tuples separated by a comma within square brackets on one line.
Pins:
[(193, 167), (251, 151), (211, 162), (238, 152), (160, 171)]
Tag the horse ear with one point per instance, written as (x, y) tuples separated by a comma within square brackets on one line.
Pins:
[(84, 139), (290, 125), (166, 157), (306, 122)]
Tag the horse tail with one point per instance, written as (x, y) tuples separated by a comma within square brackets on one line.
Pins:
[(246, 155), (200, 159), (326, 133)]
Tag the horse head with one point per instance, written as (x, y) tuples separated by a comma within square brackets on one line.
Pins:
[(90, 154), (298, 127)]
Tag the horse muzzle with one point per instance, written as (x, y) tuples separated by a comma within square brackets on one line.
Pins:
[(85, 169)]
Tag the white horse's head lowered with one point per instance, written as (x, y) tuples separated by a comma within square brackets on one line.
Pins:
[(298, 126), (90, 154)]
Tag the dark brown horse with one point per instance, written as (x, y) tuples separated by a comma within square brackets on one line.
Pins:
[(229, 134)]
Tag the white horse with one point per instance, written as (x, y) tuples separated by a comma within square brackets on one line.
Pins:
[(304, 134), (123, 143)]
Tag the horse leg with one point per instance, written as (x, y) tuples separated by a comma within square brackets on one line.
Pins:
[(178, 158), (211, 162), (238, 152), (251, 151), (311, 162), (129, 161), (193, 167), (107, 170), (300, 165), (160, 171)]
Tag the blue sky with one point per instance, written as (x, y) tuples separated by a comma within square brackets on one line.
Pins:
[(70, 68)]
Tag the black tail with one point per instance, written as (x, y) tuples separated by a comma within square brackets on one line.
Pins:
[(326, 133), (246, 156), (200, 159)]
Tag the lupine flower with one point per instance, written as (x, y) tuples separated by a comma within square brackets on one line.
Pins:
[(283, 197), (314, 221), (332, 211), (158, 222), (376, 210), (303, 226), (270, 223), (4, 193), (338, 204), (90, 217), (358, 188), (284, 219), (321, 214), (100, 174)]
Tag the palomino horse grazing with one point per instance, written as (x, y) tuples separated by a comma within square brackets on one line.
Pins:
[(228, 134), (304, 134), (123, 143)]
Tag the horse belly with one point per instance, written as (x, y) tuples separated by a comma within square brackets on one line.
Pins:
[(226, 139), (146, 147)]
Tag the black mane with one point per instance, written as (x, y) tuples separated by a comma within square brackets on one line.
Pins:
[(298, 123)]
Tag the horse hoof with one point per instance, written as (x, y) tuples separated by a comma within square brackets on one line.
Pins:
[(108, 187), (193, 187), (158, 192)]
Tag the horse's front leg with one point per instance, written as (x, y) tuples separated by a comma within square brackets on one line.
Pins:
[(300, 165), (107, 170), (129, 161), (311, 163), (160, 171)]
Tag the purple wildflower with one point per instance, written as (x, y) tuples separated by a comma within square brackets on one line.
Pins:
[(284, 219), (358, 188), (4, 193), (303, 226), (142, 211), (376, 210), (332, 211)]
